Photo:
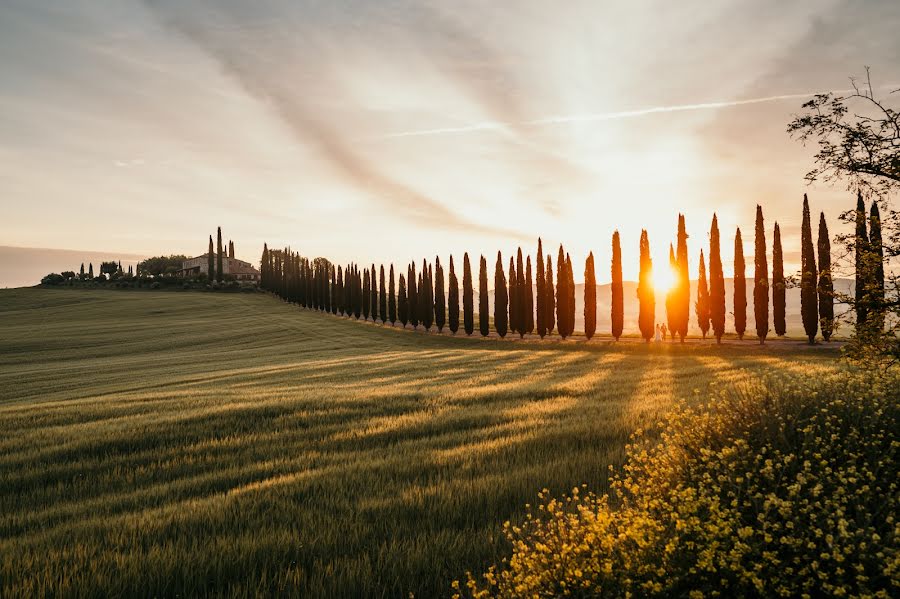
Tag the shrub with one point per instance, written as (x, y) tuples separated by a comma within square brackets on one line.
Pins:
[(155, 285), (787, 488), (53, 279)]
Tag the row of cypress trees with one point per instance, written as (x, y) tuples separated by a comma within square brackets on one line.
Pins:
[(520, 307)]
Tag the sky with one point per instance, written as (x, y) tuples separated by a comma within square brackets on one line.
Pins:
[(396, 130)]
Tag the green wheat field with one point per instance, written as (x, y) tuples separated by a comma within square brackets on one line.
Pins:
[(192, 444)]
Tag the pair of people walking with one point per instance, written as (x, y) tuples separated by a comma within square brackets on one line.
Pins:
[(661, 332)]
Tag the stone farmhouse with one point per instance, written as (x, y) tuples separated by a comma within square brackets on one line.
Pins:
[(231, 266)]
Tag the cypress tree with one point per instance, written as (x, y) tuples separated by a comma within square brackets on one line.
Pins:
[(861, 244), (562, 294), (420, 299), (570, 300), (716, 283), (428, 304), (672, 296), (453, 299), (263, 266), (513, 297), (760, 279), (740, 287), (373, 298), (468, 300), (646, 296), (392, 299), (549, 302), (826, 286), (211, 261), (617, 301), (483, 316), (440, 308), (529, 298), (358, 292), (333, 292), (539, 284), (590, 297), (219, 271), (382, 298), (702, 305), (339, 292), (521, 319), (230, 249), (413, 294), (809, 308), (876, 270), (403, 303), (366, 294), (779, 289), (683, 277), (501, 298), (91, 270), (81, 273)]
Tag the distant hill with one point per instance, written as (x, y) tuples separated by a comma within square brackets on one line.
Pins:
[(24, 267)]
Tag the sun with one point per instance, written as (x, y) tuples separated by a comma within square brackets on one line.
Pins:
[(664, 280)]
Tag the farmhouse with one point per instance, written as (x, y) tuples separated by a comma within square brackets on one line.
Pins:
[(232, 267)]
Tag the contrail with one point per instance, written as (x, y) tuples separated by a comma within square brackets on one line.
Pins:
[(607, 116)]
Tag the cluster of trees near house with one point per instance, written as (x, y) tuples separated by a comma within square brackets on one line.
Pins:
[(538, 297), (215, 259)]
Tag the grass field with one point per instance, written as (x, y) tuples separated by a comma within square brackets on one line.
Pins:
[(162, 444)]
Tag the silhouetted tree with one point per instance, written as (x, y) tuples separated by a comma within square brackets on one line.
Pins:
[(702, 305), (483, 315), (809, 309), (861, 247), (562, 294), (646, 297), (760, 279), (779, 288), (339, 295), (549, 302), (366, 294), (826, 286), (219, 269), (403, 303), (672, 295), (683, 278), (590, 297), (539, 284), (392, 298), (570, 300), (382, 298), (468, 297), (211, 261), (529, 298), (440, 306), (501, 298), (230, 249), (428, 304), (332, 293), (413, 294), (81, 272), (716, 283), (373, 293), (740, 286), (617, 302), (91, 270), (453, 299), (513, 295)]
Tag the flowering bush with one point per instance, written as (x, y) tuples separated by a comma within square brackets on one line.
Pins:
[(788, 488)]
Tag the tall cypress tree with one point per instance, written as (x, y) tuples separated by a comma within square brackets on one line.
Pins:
[(382, 299), (876, 271), (468, 297), (590, 297), (539, 285), (373, 293), (760, 279), (428, 305), (549, 302), (453, 299), (716, 283), (90, 270), (617, 301), (521, 319), (403, 303), (392, 298), (672, 296), (646, 296), (702, 305), (861, 245), (483, 316), (211, 261), (826, 286), (740, 286), (339, 292), (333, 292), (684, 281), (512, 295), (366, 294), (230, 249), (219, 270), (809, 308), (358, 292), (779, 288), (440, 307), (263, 266), (529, 298), (413, 294), (570, 300), (501, 299), (562, 294)]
